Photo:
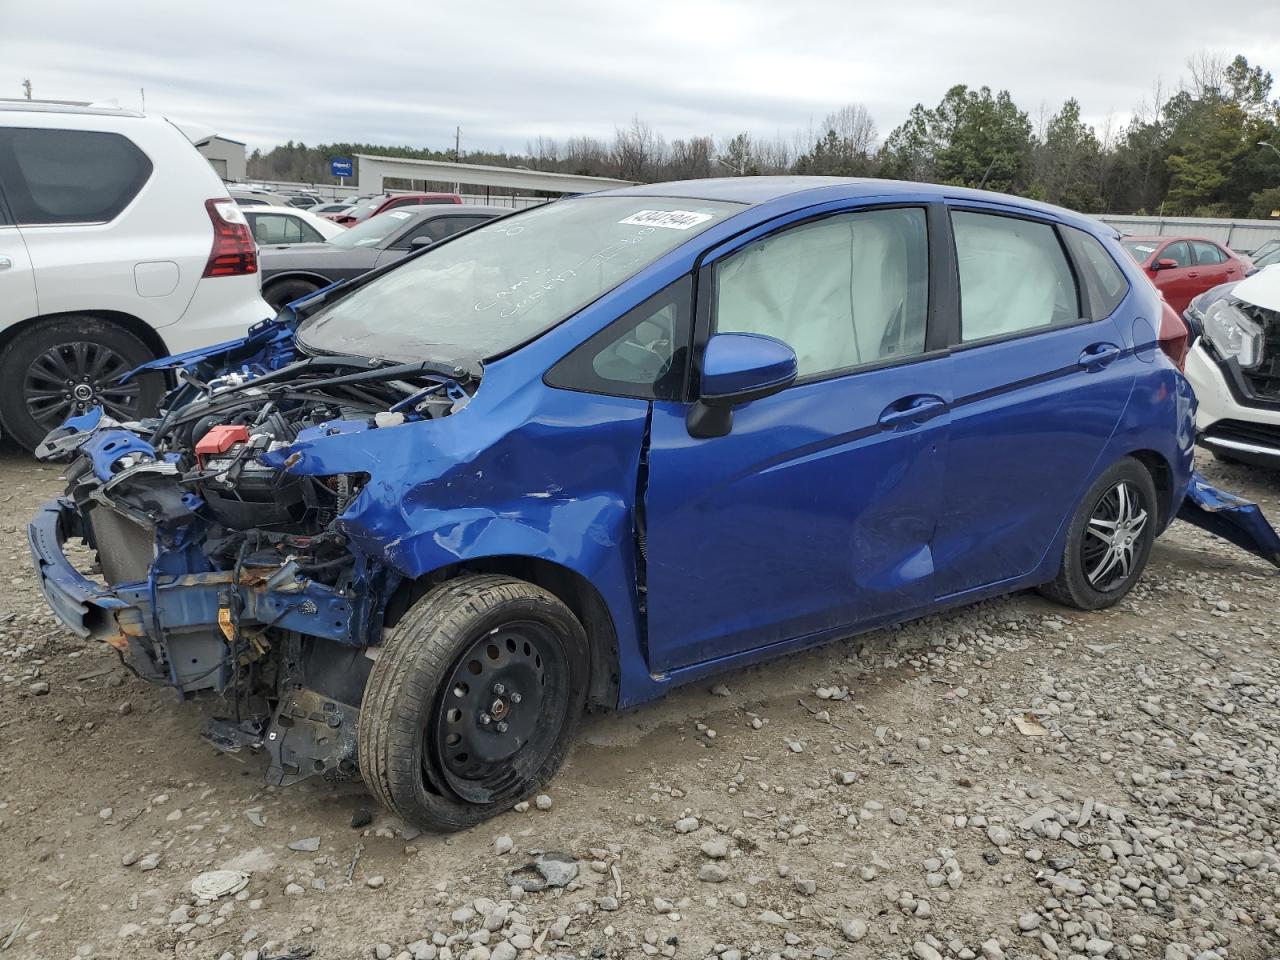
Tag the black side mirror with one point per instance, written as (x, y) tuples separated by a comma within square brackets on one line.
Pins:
[(418, 243)]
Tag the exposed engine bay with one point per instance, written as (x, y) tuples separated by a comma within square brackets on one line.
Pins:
[(219, 570)]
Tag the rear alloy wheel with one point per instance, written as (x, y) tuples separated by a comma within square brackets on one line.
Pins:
[(1112, 536), (64, 367), (473, 701), (1109, 540)]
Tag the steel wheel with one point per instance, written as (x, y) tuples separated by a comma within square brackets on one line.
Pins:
[(69, 378), (501, 710), (1113, 535)]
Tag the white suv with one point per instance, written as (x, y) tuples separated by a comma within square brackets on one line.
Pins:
[(118, 244)]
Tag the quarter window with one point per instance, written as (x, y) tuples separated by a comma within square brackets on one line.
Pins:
[(69, 176), (641, 354), (1014, 276), (1106, 281), (843, 291)]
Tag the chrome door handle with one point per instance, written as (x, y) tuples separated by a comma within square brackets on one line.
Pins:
[(5, 263)]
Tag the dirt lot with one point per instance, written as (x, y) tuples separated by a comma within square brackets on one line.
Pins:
[(1011, 779)]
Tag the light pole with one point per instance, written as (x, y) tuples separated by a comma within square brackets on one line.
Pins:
[(1270, 146)]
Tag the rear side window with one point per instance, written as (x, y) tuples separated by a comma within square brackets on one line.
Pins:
[(1014, 276), (69, 176), (271, 228), (1106, 281), (1206, 253), (641, 354)]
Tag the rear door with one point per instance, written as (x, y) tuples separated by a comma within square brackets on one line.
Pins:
[(1179, 283), (1040, 386), (17, 283), (816, 511)]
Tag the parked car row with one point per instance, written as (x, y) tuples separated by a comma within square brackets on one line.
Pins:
[(290, 272)]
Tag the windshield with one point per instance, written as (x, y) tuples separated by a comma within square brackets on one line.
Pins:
[(1139, 249), (373, 231), (503, 283)]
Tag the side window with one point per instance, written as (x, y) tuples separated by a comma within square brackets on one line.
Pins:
[(843, 291), (1206, 253), (69, 176), (1106, 281), (307, 233), (1178, 252), (641, 354), (268, 228), (1014, 276), (437, 228)]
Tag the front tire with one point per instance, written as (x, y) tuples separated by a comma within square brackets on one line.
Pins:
[(60, 367), (1109, 540), (473, 702)]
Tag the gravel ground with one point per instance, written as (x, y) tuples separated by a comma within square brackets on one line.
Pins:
[(1011, 779)]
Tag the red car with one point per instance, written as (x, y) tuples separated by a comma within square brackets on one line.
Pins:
[(375, 205), (1182, 268)]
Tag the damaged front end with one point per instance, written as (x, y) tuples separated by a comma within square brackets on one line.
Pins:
[(217, 569)]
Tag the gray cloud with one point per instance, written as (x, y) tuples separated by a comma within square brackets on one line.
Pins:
[(405, 72)]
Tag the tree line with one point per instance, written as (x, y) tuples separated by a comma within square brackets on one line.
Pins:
[(1203, 149)]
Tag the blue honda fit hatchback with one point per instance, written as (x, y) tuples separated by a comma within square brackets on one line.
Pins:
[(412, 527)]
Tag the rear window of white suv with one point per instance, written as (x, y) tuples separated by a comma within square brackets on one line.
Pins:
[(69, 176)]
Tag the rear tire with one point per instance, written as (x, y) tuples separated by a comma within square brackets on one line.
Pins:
[(1109, 539), (57, 368), (283, 292), (473, 702)]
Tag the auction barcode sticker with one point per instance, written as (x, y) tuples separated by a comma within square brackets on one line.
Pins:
[(671, 219)]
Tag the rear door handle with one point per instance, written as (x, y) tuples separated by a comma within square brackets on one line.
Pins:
[(1098, 355), (912, 411), (5, 263)]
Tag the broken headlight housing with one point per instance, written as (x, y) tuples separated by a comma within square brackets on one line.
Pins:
[(1232, 333)]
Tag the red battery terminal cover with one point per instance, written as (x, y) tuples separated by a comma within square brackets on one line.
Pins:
[(220, 439)]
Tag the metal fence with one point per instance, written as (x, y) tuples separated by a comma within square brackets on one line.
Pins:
[(1243, 236)]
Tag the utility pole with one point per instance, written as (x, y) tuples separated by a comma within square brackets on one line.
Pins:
[(143, 91), (457, 154), (26, 85)]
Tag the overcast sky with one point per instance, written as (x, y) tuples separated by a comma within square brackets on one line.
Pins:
[(409, 71)]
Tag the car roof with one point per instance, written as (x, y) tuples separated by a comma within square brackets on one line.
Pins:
[(450, 209), (66, 106), (1165, 239), (757, 190)]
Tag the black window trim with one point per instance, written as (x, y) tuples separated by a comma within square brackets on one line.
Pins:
[(1056, 226), (940, 263)]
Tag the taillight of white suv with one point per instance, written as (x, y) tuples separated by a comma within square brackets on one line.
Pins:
[(234, 252)]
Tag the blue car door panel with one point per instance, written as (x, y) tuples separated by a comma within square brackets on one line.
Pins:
[(812, 513), (817, 509), (1039, 390)]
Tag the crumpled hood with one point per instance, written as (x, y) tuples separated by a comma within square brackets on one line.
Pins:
[(1262, 289)]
